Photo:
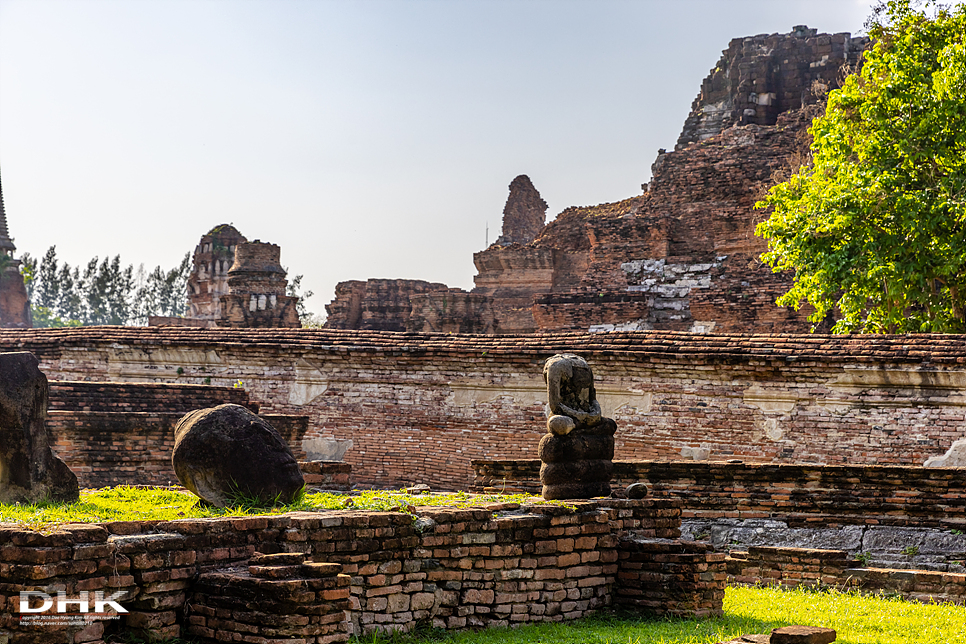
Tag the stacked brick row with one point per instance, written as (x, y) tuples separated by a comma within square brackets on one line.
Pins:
[(789, 566), (511, 476), (142, 397), (276, 597), (670, 577), (453, 568), (538, 566), (57, 345), (328, 475), (837, 569), (800, 495)]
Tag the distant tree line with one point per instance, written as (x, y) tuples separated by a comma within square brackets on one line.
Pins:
[(102, 291)]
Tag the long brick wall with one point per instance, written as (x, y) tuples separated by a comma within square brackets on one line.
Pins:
[(791, 567), (127, 397), (490, 565), (801, 495), (420, 407)]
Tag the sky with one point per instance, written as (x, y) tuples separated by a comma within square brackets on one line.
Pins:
[(367, 138)]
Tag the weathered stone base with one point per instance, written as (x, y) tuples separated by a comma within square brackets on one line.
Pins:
[(670, 577), (885, 546), (277, 597)]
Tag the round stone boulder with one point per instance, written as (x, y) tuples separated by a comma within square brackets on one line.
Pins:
[(227, 453), (636, 491)]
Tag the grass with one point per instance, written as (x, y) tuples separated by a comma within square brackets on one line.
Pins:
[(126, 503), (857, 619)]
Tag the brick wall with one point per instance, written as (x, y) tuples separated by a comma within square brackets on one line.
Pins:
[(142, 397), (420, 407), (123, 433), (800, 495), (791, 567), (493, 565)]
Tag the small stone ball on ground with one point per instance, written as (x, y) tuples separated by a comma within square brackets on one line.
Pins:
[(636, 491)]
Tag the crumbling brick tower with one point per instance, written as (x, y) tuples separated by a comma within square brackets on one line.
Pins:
[(208, 281), (256, 290), (14, 304), (524, 214)]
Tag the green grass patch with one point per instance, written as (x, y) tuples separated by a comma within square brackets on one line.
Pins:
[(125, 503), (856, 618)]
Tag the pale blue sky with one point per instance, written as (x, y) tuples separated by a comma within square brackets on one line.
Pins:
[(367, 138)]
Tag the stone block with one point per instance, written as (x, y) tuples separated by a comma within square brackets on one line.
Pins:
[(802, 635)]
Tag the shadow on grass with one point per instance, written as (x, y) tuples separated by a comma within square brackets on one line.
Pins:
[(606, 627)]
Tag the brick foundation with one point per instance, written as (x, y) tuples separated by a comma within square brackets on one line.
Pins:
[(276, 597), (670, 577), (328, 475)]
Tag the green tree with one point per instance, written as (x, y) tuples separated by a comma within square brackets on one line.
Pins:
[(69, 303), (48, 288), (101, 292), (28, 268), (306, 317), (875, 225), (161, 292)]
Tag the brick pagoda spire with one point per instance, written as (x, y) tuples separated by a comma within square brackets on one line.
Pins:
[(14, 303), (6, 244)]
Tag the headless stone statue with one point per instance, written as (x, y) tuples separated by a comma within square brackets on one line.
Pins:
[(578, 449)]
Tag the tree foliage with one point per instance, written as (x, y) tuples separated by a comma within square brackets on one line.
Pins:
[(306, 317), (102, 292), (875, 226)]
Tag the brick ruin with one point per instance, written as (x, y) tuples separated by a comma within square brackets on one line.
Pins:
[(212, 259), (376, 304), (257, 290), (681, 256), (524, 215), (14, 305), (235, 283)]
